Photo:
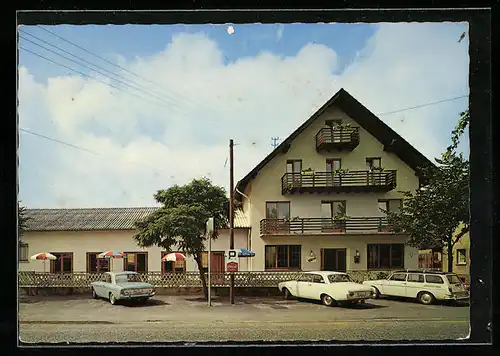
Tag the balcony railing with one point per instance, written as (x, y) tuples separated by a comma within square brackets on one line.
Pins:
[(314, 226), (332, 138), (352, 181)]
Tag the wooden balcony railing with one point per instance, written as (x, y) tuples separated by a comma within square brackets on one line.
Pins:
[(313, 226), (352, 181), (334, 138)]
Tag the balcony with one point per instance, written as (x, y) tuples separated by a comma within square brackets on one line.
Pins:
[(322, 226), (328, 139), (333, 182)]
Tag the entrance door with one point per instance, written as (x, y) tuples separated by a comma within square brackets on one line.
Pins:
[(332, 165), (295, 168), (277, 215), (217, 267), (333, 259)]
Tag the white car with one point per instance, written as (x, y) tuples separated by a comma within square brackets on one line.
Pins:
[(425, 286), (330, 287)]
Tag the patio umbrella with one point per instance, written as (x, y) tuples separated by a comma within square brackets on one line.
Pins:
[(111, 255), (245, 253), (44, 256), (174, 256)]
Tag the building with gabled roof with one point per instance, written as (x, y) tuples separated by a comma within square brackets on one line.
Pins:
[(314, 203)]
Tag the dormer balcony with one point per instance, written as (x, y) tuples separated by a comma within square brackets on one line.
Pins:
[(336, 182), (330, 138)]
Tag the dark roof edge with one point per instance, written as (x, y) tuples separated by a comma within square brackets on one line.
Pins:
[(414, 158)]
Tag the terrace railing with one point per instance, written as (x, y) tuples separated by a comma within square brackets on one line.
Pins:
[(338, 182), (335, 138), (313, 226)]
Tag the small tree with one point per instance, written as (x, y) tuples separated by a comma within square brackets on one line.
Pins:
[(180, 222), (22, 220), (432, 214)]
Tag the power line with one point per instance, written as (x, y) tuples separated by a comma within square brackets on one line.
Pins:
[(125, 69), (80, 148), (88, 76), (135, 85), (97, 71), (423, 105)]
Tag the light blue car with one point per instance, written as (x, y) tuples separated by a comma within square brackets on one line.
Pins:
[(116, 286)]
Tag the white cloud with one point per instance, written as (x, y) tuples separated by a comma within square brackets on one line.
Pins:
[(148, 147)]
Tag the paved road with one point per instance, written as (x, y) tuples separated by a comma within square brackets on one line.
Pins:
[(172, 319), (246, 331)]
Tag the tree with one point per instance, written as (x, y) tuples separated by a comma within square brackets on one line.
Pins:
[(432, 214), (180, 222), (22, 220)]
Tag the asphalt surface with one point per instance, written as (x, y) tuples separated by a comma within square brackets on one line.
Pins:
[(174, 319)]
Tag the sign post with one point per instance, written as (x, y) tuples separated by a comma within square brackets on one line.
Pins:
[(210, 230), (232, 260)]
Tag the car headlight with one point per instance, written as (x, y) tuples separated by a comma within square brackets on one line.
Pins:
[(351, 294)]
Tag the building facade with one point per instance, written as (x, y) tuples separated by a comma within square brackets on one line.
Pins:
[(317, 201), (77, 236)]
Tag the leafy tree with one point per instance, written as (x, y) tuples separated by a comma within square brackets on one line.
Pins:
[(180, 222), (433, 213), (22, 220)]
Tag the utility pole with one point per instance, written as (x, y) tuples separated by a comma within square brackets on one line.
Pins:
[(231, 214), (275, 141)]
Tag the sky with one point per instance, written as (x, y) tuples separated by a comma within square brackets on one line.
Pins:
[(133, 108)]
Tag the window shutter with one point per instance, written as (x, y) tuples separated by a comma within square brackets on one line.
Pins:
[(322, 260)]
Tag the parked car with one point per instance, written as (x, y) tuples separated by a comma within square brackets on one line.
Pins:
[(116, 286), (423, 285), (331, 288)]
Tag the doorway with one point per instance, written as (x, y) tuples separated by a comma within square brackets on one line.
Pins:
[(333, 259)]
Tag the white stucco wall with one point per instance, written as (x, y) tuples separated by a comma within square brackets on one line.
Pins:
[(267, 187), (79, 243)]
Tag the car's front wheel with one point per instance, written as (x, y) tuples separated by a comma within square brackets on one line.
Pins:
[(376, 293), (327, 300), (94, 294), (287, 294), (112, 299)]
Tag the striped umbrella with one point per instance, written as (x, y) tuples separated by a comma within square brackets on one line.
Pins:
[(174, 256), (111, 255), (44, 256)]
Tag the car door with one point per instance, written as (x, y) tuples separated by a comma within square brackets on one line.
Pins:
[(316, 287), (396, 285), (98, 286), (304, 285), (414, 284)]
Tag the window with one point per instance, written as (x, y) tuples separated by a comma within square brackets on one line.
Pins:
[(294, 166), (398, 277), (330, 209), (390, 205), (305, 278), (413, 277), (63, 262), (332, 164), (278, 210), (172, 266), (282, 256), (337, 278), (432, 278), (375, 162), (453, 279), (127, 277), (461, 256), (333, 123), (135, 262), (316, 278), (106, 278), (385, 256), (96, 265), (23, 252)]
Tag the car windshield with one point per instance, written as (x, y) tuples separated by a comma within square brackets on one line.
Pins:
[(335, 278), (453, 279), (129, 277)]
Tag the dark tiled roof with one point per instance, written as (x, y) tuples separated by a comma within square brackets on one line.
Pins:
[(95, 219)]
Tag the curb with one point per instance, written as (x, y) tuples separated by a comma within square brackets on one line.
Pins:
[(65, 322)]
